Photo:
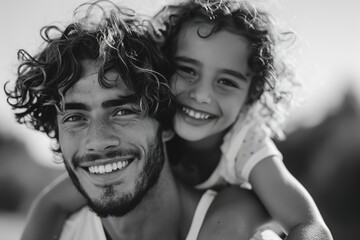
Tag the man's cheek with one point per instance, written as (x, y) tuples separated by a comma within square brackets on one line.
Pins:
[(68, 147)]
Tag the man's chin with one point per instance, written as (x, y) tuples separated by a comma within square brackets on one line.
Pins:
[(116, 207), (110, 203)]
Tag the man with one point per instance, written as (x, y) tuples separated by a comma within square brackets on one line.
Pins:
[(96, 89)]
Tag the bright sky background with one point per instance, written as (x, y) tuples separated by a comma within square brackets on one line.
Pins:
[(328, 58)]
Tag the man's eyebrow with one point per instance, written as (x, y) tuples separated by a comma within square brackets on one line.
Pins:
[(75, 106), (130, 99), (237, 74)]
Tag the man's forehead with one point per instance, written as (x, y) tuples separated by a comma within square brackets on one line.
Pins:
[(89, 87), (92, 67)]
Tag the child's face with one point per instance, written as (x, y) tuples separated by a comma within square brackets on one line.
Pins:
[(211, 81)]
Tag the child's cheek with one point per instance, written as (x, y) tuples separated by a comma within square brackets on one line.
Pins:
[(174, 84)]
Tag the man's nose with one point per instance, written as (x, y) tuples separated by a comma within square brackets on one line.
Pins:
[(201, 92), (101, 136)]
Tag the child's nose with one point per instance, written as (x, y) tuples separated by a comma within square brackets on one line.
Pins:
[(201, 93)]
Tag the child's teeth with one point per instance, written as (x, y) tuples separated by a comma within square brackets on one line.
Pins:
[(194, 114)]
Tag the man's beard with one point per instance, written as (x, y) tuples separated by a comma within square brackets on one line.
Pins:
[(111, 204)]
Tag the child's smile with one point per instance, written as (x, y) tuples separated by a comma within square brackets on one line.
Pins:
[(195, 114), (211, 81)]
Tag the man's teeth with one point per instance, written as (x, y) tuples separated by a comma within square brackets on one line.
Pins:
[(100, 169), (194, 114)]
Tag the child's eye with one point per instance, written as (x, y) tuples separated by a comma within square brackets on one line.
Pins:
[(228, 82), (186, 72)]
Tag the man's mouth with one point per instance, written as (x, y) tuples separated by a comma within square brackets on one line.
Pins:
[(196, 114), (109, 167)]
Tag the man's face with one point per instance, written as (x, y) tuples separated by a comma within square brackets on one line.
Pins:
[(112, 153)]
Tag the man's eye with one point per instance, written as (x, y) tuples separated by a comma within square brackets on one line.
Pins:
[(228, 82), (125, 112), (73, 118)]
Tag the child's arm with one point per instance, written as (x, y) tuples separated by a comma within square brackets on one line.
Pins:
[(51, 208), (287, 201)]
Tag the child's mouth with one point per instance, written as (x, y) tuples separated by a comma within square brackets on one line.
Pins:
[(196, 114)]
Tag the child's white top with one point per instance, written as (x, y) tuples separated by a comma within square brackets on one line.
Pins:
[(247, 143)]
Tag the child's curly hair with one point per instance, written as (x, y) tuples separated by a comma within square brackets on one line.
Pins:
[(117, 39), (273, 78)]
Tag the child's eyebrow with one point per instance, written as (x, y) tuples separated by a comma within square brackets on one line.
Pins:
[(186, 59), (237, 74)]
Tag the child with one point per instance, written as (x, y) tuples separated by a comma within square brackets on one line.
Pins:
[(228, 78)]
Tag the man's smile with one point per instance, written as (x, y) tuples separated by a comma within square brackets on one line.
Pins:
[(109, 167)]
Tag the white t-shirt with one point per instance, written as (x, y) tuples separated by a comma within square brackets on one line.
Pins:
[(85, 225), (246, 144)]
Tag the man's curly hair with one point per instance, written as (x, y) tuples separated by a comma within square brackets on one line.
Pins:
[(273, 80), (117, 39)]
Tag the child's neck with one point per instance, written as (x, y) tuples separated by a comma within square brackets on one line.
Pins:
[(196, 159), (204, 145)]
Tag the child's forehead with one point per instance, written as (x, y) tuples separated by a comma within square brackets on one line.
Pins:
[(206, 27), (198, 24)]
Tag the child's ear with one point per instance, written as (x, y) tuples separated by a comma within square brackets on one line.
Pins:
[(167, 135), (244, 109)]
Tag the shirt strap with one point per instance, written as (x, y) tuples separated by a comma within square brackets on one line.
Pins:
[(200, 213)]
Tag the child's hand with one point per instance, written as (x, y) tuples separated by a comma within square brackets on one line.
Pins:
[(63, 194), (51, 208), (265, 235)]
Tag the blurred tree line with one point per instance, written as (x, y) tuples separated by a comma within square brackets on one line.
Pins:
[(325, 158), (21, 177)]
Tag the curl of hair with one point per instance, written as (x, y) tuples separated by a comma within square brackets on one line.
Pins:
[(113, 37), (273, 81)]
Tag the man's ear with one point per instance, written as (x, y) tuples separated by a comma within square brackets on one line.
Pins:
[(167, 135)]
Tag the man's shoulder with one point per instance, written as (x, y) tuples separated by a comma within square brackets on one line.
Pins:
[(83, 224), (234, 213)]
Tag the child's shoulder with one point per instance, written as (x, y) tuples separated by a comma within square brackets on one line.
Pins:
[(246, 144)]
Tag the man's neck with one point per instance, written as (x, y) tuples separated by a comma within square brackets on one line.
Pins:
[(162, 214)]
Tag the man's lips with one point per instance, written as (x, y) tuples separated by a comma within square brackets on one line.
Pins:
[(102, 166), (109, 167)]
